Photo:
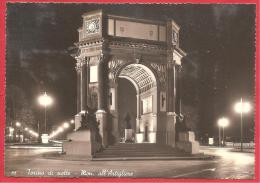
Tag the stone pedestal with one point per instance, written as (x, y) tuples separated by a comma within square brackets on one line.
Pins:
[(152, 137), (187, 136), (187, 142), (79, 143), (128, 135), (139, 137), (101, 116), (77, 121), (170, 129)]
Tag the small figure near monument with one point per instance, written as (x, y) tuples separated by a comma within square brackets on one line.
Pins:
[(183, 125)]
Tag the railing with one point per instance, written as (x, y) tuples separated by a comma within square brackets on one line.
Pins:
[(237, 145)]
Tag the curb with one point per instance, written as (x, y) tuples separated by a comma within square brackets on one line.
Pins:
[(78, 158)]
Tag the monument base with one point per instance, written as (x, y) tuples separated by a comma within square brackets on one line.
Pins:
[(170, 129), (128, 135), (189, 147), (79, 143), (101, 117), (139, 137), (187, 143)]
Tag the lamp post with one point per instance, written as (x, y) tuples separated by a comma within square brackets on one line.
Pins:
[(45, 101), (18, 125), (242, 107), (222, 122), (11, 133)]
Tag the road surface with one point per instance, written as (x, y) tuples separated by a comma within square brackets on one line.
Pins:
[(226, 165)]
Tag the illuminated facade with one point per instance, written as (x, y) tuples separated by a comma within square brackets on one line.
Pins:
[(128, 71)]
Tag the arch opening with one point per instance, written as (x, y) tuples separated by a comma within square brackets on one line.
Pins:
[(141, 76), (145, 117)]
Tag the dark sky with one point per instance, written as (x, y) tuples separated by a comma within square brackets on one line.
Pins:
[(219, 41)]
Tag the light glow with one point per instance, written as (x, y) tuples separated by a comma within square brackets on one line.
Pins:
[(60, 129), (45, 100), (66, 125), (211, 141), (11, 129), (33, 133), (18, 124), (223, 122), (242, 107)]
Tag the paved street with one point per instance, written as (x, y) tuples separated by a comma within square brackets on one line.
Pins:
[(226, 165)]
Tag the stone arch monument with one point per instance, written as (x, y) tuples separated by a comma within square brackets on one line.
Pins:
[(127, 66)]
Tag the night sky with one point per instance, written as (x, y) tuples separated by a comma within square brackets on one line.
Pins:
[(219, 67)]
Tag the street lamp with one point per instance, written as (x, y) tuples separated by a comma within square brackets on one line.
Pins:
[(18, 124), (66, 125), (60, 129), (45, 101), (242, 107), (222, 122)]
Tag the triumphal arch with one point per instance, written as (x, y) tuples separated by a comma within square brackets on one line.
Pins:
[(128, 74)]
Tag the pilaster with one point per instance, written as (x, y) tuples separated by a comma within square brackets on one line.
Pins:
[(101, 113), (170, 129)]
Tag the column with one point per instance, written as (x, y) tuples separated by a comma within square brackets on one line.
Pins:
[(101, 114), (178, 90), (87, 81), (84, 80), (101, 101), (78, 91), (171, 87), (171, 100), (83, 86), (117, 115), (179, 125), (137, 113)]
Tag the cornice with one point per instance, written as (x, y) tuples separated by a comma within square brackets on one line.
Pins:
[(136, 45)]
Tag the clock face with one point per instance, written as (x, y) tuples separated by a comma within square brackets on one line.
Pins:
[(92, 26)]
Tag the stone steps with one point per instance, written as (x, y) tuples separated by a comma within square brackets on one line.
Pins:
[(138, 150)]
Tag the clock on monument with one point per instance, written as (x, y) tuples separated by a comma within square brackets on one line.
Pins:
[(92, 26)]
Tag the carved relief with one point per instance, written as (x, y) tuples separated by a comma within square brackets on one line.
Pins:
[(92, 26), (80, 62), (113, 67), (174, 38), (134, 45), (94, 60), (161, 72)]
